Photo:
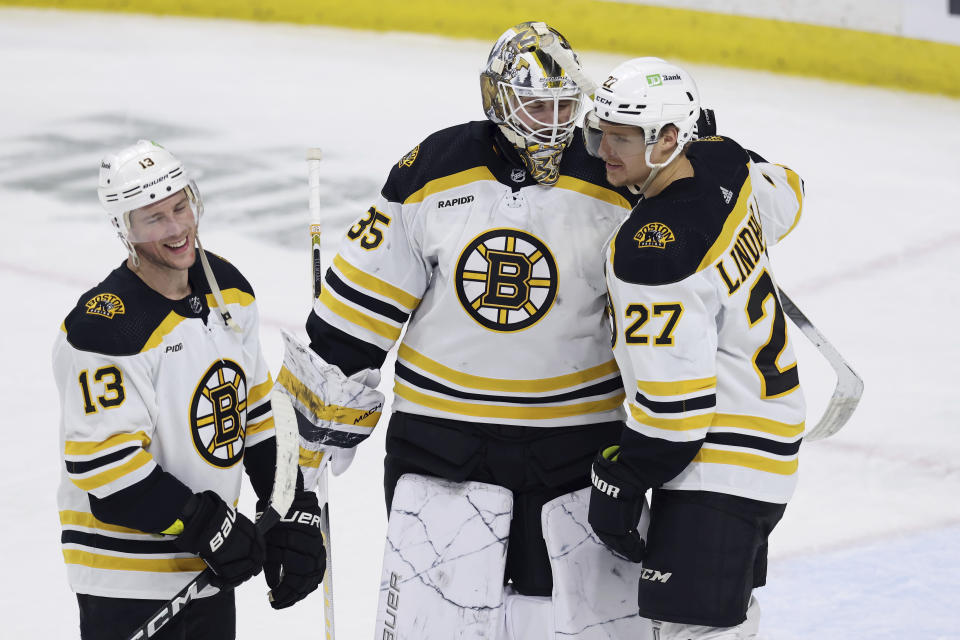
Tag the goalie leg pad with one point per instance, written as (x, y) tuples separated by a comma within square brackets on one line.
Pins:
[(527, 617), (444, 560), (594, 590)]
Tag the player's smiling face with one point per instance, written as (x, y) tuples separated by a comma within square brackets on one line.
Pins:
[(164, 233), (622, 149)]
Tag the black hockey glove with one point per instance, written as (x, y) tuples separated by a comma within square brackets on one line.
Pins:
[(296, 558), (706, 123), (226, 540), (616, 504)]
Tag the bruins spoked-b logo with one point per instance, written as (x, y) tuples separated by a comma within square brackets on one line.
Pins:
[(506, 279), (218, 414)]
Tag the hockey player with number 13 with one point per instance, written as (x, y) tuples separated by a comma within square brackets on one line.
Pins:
[(165, 397), (716, 413)]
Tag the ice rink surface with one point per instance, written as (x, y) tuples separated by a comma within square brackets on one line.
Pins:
[(869, 547)]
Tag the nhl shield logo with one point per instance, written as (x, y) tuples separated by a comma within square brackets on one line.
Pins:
[(506, 279), (105, 305), (518, 175), (218, 414), (654, 234)]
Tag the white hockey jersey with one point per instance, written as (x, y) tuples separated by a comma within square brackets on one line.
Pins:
[(498, 279), (159, 399), (700, 336)]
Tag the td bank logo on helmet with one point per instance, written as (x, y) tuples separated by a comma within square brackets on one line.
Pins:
[(657, 79)]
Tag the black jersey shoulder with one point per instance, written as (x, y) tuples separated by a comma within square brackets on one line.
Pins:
[(117, 316), (441, 154), (227, 275), (666, 237)]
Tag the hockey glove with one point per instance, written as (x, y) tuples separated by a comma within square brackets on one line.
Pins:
[(226, 540), (296, 558), (616, 505)]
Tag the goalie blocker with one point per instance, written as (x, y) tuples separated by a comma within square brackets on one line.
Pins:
[(440, 528)]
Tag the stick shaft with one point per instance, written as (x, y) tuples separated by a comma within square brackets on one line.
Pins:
[(313, 165)]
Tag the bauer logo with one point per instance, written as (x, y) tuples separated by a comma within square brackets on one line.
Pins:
[(452, 202), (392, 609)]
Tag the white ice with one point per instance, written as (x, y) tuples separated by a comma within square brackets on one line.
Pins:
[(869, 545)]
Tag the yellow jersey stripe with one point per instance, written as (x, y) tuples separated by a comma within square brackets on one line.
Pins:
[(671, 424), (231, 296), (500, 384), (353, 316), (749, 460), (794, 181), (78, 448), (81, 519), (260, 427), (310, 459), (676, 388), (507, 412), (375, 284), (168, 325), (331, 412), (101, 479), (450, 182), (592, 190), (115, 563), (260, 391), (737, 216), (755, 423)]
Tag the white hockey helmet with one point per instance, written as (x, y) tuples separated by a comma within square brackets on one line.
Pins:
[(648, 93), (520, 71), (137, 176)]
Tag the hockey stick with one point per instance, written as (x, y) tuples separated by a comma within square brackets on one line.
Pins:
[(846, 395), (313, 164), (284, 486)]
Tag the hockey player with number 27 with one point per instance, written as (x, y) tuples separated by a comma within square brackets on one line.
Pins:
[(164, 397), (716, 413), (485, 242)]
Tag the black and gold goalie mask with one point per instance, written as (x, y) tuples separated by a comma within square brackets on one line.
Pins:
[(529, 94)]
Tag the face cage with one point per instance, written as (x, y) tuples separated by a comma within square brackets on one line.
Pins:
[(121, 223), (546, 133)]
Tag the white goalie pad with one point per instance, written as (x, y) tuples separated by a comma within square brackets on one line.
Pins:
[(444, 561), (594, 590)]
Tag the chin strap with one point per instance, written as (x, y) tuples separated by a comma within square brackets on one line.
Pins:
[(655, 168), (215, 288)]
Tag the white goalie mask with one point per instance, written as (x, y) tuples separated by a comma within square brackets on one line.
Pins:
[(531, 96), (140, 175), (648, 93)]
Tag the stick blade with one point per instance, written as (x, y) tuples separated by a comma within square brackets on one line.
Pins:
[(843, 402)]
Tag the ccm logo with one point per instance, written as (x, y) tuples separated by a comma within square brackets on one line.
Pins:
[(654, 576), (225, 529), (603, 486)]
